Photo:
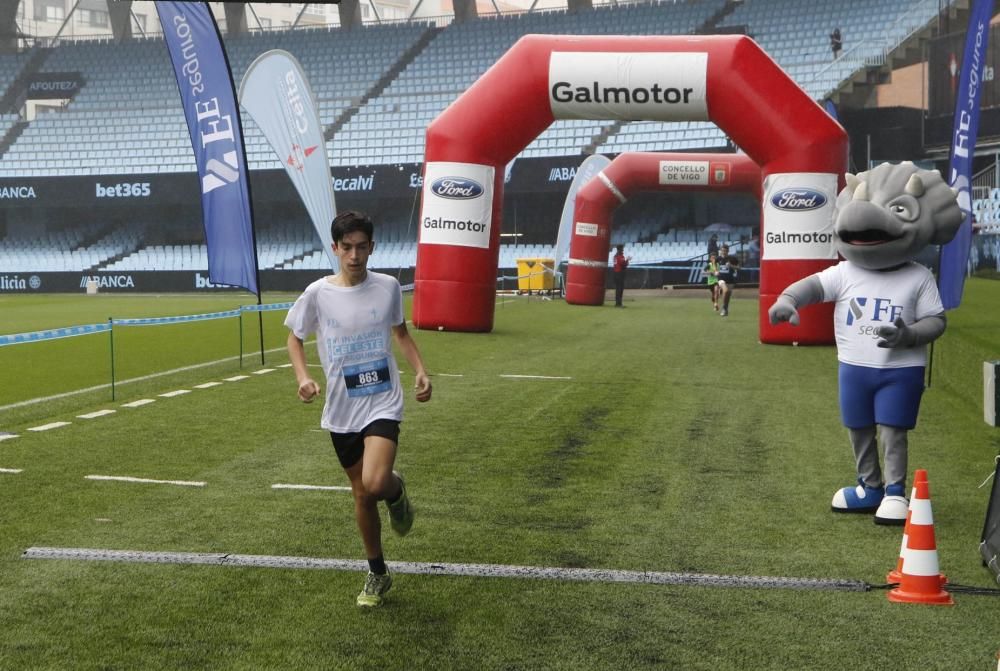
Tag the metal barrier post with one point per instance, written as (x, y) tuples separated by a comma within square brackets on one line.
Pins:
[(111, 334)]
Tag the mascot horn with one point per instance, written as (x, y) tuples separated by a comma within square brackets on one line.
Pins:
[(887, 310)]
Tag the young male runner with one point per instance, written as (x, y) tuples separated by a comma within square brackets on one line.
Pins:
[(352, 314), (729, 266)]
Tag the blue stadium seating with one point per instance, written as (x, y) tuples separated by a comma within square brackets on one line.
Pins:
[(869, 30), (379, 87)]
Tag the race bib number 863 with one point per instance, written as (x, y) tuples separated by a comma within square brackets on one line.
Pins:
[(367, 378)]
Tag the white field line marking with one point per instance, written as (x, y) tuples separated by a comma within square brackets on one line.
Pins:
[(447, 375), (99, 413), (50, 425), (125, 478), (476, 570), (10, 470), (137, 404), (176, 392), (207, 385), (7, 436), (536, 377), (284, 365), (262, 371), (151, 376), (236, 378), (322, 488)]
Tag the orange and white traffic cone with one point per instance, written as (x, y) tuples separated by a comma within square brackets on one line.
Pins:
[(920, 581), (895, 576)]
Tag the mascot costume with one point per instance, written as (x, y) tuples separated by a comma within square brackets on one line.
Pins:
[(887, 309)]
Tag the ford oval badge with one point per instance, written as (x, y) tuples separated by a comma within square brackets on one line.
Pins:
[(456, 188), (798, 200)]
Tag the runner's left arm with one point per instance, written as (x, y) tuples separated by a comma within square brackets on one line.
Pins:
[(409, 349)]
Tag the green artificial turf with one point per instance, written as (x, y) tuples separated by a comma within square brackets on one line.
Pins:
[(678, 444)]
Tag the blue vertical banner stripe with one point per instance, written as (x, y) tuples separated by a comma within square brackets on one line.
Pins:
[(955, 254), (213, 120)]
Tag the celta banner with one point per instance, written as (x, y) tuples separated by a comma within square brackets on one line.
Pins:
[(586, 172), (213, 121), (274, 91), (955, 254)]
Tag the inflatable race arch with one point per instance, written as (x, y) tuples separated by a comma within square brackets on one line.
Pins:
[(801, 150), (629, 174)]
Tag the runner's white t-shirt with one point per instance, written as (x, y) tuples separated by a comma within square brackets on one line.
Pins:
[(867, 299), (354, 339)]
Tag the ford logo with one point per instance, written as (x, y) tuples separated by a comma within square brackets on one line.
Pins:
[(798, 199), (456, 188)]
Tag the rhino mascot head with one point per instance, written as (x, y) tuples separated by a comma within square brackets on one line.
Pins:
[(885, 216)]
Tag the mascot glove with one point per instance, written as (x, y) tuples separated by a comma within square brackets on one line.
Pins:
[(898, 335), (783, 310)]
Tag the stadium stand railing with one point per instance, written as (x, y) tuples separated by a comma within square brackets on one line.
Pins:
[(870, 29)]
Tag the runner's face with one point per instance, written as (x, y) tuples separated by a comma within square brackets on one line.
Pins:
[(353, 251)]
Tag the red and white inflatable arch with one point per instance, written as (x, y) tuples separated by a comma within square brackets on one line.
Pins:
[(629, 174), (727, 79)]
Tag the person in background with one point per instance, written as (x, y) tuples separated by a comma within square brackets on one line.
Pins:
[(353, 314), (711, 273), (753, 249), (713, 244), (729, 266), (836, 43), (621, 264)]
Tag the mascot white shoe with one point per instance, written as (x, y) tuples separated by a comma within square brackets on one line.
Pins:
[(894, 506), (887, 310)]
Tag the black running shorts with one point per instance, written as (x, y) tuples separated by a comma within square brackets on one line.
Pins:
[(351, 446)]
